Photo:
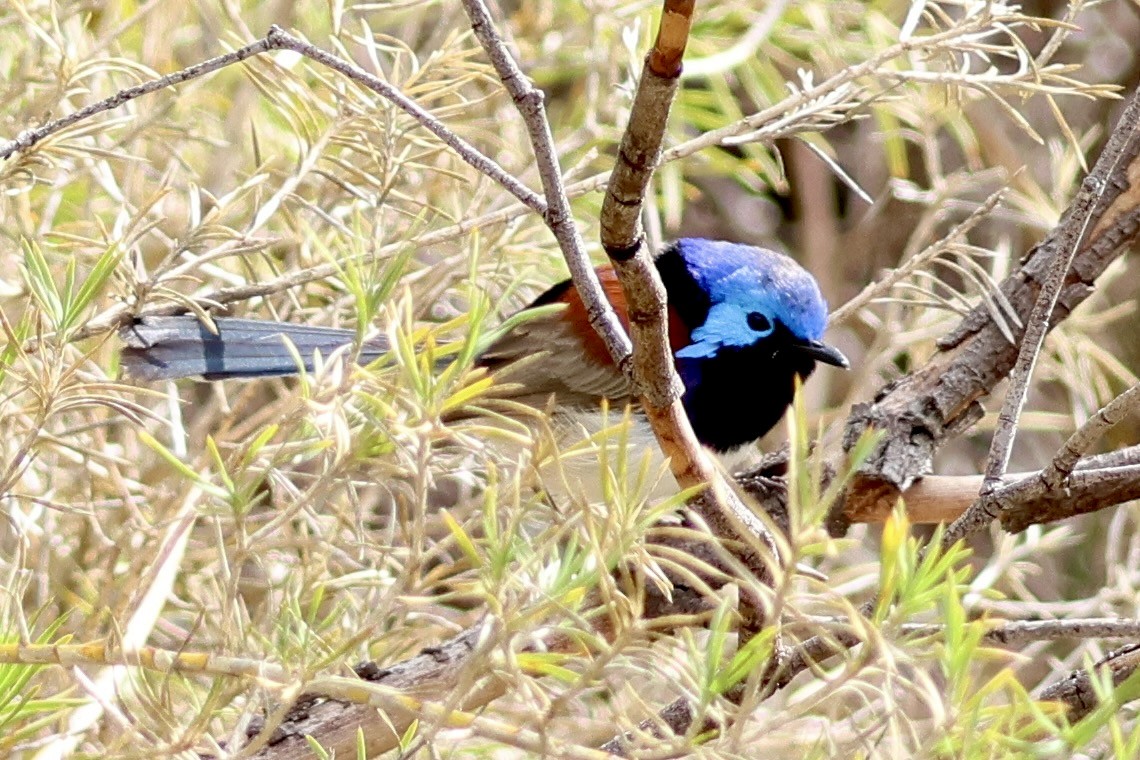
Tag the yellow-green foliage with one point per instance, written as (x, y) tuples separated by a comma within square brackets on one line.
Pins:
[(307, 525)]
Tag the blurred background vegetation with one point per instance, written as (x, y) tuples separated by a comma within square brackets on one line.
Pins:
[(300, 522)]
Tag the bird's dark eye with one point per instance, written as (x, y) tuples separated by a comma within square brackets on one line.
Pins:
[(759, 322)]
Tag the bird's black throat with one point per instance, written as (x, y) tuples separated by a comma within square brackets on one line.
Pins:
[(740, 394)]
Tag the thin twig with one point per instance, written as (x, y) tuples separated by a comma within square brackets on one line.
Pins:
[(1085, 212), (278, 38), (1088, 434), (879, 64), (30, 137), (558, 216), (1035, 330), (882, 286), (622, 238), (1020, 631)]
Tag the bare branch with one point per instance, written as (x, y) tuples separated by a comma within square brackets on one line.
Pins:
[(29, 138), (1077, 692), (1069, 237), (1098, 482), (558, 216), (337, 723), (1021, 631), (1033, 501), (940, 400), (675, 719)]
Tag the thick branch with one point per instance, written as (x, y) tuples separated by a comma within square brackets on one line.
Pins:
[(621, 232), (1033, 501), (1098, 482), (1076, 691), (940, 400), (659, 386)]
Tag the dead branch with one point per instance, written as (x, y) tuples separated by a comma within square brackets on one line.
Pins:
[(921, 411), (336, 723), (528, 101), (1098, 482), (1077, 692)]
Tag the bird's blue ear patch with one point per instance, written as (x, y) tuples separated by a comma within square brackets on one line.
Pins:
[(727, 324), (759, 282)]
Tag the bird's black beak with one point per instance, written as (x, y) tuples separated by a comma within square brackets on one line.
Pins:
[(822, 352)]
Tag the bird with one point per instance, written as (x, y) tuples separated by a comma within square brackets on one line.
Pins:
[(744, 323)]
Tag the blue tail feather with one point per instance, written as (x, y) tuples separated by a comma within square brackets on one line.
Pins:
[(167, 348)]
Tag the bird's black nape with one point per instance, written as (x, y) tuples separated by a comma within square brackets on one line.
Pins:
[(686, 297)]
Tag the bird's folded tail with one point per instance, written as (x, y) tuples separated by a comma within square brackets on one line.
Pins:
[(167, 348)]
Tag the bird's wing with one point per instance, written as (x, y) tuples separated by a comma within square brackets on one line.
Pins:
[(560, 353), (545, 356)]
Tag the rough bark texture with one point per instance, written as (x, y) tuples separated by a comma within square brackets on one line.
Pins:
[(435, 670), (923, 410), (1077, 692)]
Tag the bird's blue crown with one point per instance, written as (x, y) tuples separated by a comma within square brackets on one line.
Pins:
[(749, 289)]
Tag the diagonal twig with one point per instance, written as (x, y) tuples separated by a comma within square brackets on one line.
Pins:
[(1066, 243), (30, 137), (279, 39), (1066, 459), (558, 216)]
